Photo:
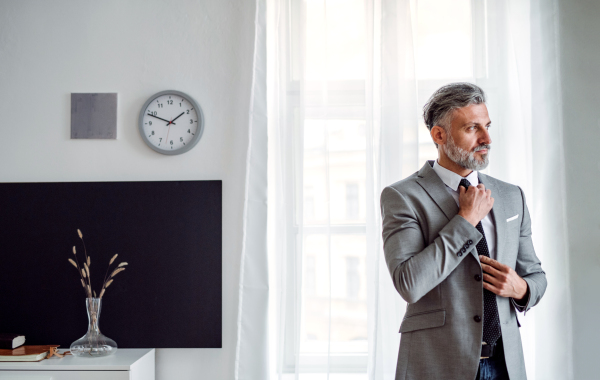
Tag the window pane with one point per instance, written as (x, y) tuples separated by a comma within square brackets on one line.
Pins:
[(334, 285), (334, 172), (335, 40), (352, 201), (444, 39)]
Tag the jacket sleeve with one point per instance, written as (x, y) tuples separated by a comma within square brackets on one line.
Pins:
[(415, 266), (528, 265)]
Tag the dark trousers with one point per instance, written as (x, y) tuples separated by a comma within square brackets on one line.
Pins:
[(493, 368)]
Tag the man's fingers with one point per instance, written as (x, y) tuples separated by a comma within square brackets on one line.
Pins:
[(496, 264), (491, 288), (492, 280), (492, 271), (486, 259)]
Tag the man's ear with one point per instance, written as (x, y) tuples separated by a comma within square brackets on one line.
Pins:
[(438, 134)]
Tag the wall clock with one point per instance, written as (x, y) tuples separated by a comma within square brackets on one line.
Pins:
[(171, 122)]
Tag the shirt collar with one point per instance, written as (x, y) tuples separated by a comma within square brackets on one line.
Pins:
[(451, 179)]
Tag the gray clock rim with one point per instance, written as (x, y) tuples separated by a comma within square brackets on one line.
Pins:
[(196, 138)]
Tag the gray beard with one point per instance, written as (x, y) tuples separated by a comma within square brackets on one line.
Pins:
[(466, 159)]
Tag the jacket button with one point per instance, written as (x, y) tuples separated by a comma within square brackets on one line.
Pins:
[(463, 250), (477, 277), (477, 318), (459, 254), (470, 242)]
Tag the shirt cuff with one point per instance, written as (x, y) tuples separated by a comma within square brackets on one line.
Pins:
[(522, 305)]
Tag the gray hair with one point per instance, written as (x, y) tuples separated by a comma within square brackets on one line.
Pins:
[(440, 106)]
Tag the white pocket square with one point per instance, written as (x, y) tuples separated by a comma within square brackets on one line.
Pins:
[(512, 218)]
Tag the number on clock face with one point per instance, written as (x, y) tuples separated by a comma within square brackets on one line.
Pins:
[(170, 122)]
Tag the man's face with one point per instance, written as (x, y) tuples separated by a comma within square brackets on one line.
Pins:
[(468, 142)]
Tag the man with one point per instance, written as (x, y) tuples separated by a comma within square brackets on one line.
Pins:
[(458, 246)]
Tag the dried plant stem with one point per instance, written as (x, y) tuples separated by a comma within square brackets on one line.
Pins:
[(116, 271), (87, 260), (87, 269), (84, 272), (84, 248), (107, 268), (81, 275), (109, 280)]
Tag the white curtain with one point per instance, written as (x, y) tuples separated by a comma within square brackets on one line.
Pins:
[(346, 81), (251, 354), (552, 328)]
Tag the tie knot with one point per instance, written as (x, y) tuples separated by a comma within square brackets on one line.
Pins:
[(465, 182)]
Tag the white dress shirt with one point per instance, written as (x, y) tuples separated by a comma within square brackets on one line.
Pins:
[(452, 181)]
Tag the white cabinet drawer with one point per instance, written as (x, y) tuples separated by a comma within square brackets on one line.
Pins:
[(64, 375)]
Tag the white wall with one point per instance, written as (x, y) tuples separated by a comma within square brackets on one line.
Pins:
[(580, 69), (49, 49)]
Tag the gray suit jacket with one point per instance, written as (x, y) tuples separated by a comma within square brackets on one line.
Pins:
[(431, 255)]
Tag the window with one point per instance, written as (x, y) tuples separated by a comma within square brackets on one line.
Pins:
[(326, 102)]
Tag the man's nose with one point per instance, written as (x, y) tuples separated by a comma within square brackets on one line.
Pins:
[(485, 137)]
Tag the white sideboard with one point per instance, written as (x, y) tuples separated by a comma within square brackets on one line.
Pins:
[(125, 364)]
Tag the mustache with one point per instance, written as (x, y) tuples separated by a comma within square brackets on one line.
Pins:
[(481, 147)]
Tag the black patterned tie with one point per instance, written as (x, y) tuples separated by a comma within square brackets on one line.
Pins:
[(491, 319)]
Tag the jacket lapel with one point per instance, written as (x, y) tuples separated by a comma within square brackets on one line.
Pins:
[(435, 187), (498, 213)]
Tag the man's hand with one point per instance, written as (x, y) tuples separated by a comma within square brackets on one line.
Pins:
[(502, 280), (475, 203)]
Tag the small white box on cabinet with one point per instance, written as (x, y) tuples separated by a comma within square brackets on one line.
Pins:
[(125, 364)]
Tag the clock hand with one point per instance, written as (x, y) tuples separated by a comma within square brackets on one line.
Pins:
[(169, 125), (171, 122), (160, 118), (168, 130)]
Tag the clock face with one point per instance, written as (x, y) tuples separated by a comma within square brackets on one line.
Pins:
[(171, 122)]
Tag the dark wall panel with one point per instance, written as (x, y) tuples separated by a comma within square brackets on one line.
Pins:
[(169, 232)]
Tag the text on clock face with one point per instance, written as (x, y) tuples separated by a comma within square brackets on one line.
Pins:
[(170, 122)]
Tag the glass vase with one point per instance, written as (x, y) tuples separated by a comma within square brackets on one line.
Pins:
[(93, 343)]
